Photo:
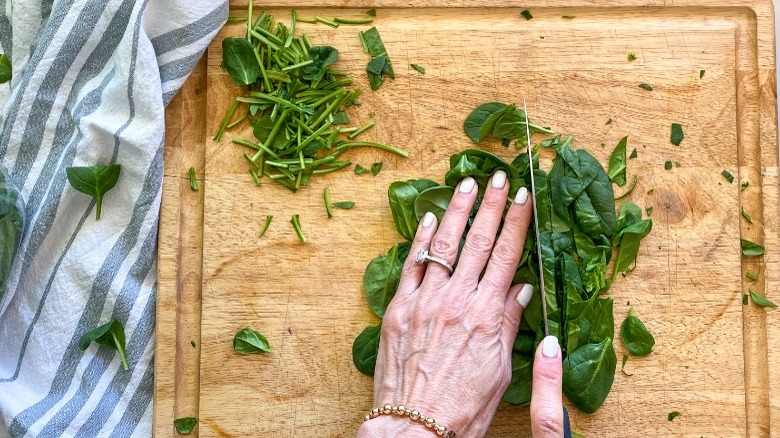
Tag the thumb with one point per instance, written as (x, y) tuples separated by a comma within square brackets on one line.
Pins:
[(516, 300), (546, 398)]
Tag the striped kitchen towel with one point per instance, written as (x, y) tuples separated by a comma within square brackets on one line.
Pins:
[(91, 79)]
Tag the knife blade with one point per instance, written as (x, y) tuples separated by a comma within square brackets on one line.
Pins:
[(536, 220)]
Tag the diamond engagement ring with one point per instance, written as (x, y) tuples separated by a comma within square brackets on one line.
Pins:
[(423, 256)]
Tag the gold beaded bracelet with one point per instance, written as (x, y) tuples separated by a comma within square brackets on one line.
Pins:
[(413, 415)]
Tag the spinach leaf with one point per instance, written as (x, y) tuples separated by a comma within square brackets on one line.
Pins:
[(480, 165), (360, 170), (381, 280), (434, 199), (238, 57), (633, 154), (94, 181), (512, 125), (618, 162), (677, 134), (185, 425), (588, 373), (376, 167), (701, 74), (672, 415), (321, 57), (419, 68), (750, 249), (379, 66), (526, 14), (637, 339), (477, 121), (365, 349), (759, 300), (5, 69), (371, 12), (110, 335), (519, 390), (248, 341), (340, 118)]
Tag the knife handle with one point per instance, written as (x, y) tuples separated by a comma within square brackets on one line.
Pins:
[(566, 424)]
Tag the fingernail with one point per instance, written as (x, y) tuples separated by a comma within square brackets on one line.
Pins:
[(550, 347), (427, 219), (522, 196), (467, 185), (499, 179), (524, 297)]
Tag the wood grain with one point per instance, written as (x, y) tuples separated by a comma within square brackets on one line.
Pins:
[(710, 360)]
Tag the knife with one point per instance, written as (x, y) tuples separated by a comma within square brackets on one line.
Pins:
[(566, 424)]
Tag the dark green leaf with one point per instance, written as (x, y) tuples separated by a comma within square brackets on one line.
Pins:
[(701, 74), (5, 69), (434, 200), (110, 335), (747, 216), (728, 176), (360, 170), (377, 69), (649, 210), (475, 123), (677, 134), (609, 121), (365, 349), (673, 415), (371, 12), (588, 373), (526, 14), (344, 205), (633, 154), (377, 65), (631, 56), (635, 336), (185, 425), (238, 57), (617, 163), (340, 118), (647, 87), (511, 124), (381, 280), (668, 165), (94, 181), (322, 57), (248, 341), (745, 299), (568, 17), (419, 68), (375, 168), (750, 249), (519, 390), (759, 300)]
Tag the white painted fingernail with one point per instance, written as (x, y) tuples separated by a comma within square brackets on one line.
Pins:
[(467, 185), (499, 179), (427, 219), (524, 297), (522, 196), (550, 347)]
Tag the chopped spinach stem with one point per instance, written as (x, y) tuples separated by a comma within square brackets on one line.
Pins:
[(362, 129), (336, 166), (193, 180), (338, 72), (255, 176), (363, 42), (328, 207), (291, 33), (296, 223), (266, 225), (307, 20), (354, 144), (353, 20), (298, 65), (226, 120), (324, 20), (236, 19), (237, 121)]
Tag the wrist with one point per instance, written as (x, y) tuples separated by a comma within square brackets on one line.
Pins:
[(393, 426)]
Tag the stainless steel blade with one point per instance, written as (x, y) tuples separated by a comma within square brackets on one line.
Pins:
[(536, 220)]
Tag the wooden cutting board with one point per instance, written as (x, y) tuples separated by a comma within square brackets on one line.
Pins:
[(710, 361)]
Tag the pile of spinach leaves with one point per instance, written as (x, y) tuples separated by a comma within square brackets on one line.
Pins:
[(579, 232)]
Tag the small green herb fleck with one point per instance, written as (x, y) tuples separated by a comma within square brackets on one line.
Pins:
[(376, 167), (296, 223), (729, 177), (673, 415), (328, 208), (609, 121), (744, 186), (647, 87), (568, 17), (760, 300), (371, 114), (185, 425), (344, 205), (752, 276), (526, 14), (197, 91), (193, 180), (701, 74), (677, 134), (649, 210), (650, 192), (668, 165), (371, 12), (248, 341), (633, 154), (193, 344), (94, 181), (266, 225), (631, 56), (419, 68), (676, 164), (745, 299), (750, 249), (360, 170), (747, 216)]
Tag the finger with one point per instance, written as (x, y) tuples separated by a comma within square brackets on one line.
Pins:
[(447, 239), (517, 300), (547, 394), (482, 235), (506, 254), (412, 273)]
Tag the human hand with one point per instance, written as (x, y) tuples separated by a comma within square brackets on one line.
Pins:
[(446, 340)]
